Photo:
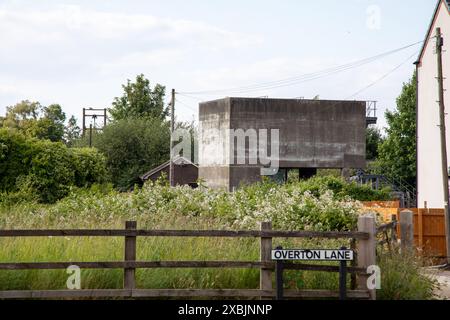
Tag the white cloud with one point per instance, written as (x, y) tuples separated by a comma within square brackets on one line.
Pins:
[(67, 41), (66, 21), (144, 60), (78, 56), (261, 71), (6, 89)]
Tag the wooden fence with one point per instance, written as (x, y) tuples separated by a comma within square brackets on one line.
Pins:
[(429, 231), (429, 226), (388, 234), (381, 204), (363, 240)]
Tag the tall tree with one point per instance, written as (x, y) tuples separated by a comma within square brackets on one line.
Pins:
[(22, 115), (51, 125), (35, 120), (72, 132), (397, 154), (373, 140), (139, 100), (133, 147)]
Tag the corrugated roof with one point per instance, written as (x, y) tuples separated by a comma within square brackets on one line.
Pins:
[(447, 3)]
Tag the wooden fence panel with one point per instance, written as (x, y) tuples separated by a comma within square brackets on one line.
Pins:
[(381, 204), (365, 257), (429, 231), (429, 225), (432, 239)]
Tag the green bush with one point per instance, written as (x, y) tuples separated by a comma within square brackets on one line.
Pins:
[(15, 157), (44, 170), (342, 189), (133, 147), (89, 166), (51, 173)]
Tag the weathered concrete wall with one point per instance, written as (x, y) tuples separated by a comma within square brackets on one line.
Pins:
[(313, 134), (215, 176), (213, 144), (243, 175)]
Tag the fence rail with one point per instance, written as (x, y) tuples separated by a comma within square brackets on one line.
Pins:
[(365, 247), (388, 233), (160, 293), (183, 233), (172, 264)]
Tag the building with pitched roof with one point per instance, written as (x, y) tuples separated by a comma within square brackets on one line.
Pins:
[(185, 172), (429, 174)]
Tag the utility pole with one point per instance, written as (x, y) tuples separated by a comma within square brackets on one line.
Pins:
[(84, 120), (440, 78), (90, 135), (93, 114), (172, 129)]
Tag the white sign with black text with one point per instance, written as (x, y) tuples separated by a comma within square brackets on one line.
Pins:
[(312, 255)]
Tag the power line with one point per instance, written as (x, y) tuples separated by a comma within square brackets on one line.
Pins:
[(184, 104), (301, 78), (190, 96), (383, 77)]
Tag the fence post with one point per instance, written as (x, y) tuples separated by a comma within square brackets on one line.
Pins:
[(265, 278), (394, 230), (420, 228), (279, 277), (353, 263), (129, 280), (367, 251), (407, 229), (343, 278)]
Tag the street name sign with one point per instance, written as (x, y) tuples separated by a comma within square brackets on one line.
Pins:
[(312, 255)]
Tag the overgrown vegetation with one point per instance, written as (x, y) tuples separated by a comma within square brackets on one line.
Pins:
[(397, 153), (307, 205), (132, 147), (402, 277), (41, 170), (342, 189), (323, 204), (139, 100), (138, 138), (373, 140), (41, 158), (41, 122)]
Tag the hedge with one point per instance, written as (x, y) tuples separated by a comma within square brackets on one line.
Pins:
[(45, 170)]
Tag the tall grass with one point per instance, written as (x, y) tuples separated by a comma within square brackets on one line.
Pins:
[(83, 249), (161, 207), (402, 277)]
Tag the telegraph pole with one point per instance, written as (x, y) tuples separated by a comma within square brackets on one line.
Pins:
[(90, 135), (172, 129), (84, 120), (440, 78), (93, 114)]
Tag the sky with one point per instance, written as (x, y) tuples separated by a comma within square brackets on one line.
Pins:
[(79, 53)]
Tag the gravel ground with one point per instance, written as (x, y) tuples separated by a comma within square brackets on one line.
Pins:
[(443, 278)]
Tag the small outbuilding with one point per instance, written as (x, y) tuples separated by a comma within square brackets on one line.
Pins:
[(185, 172)]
